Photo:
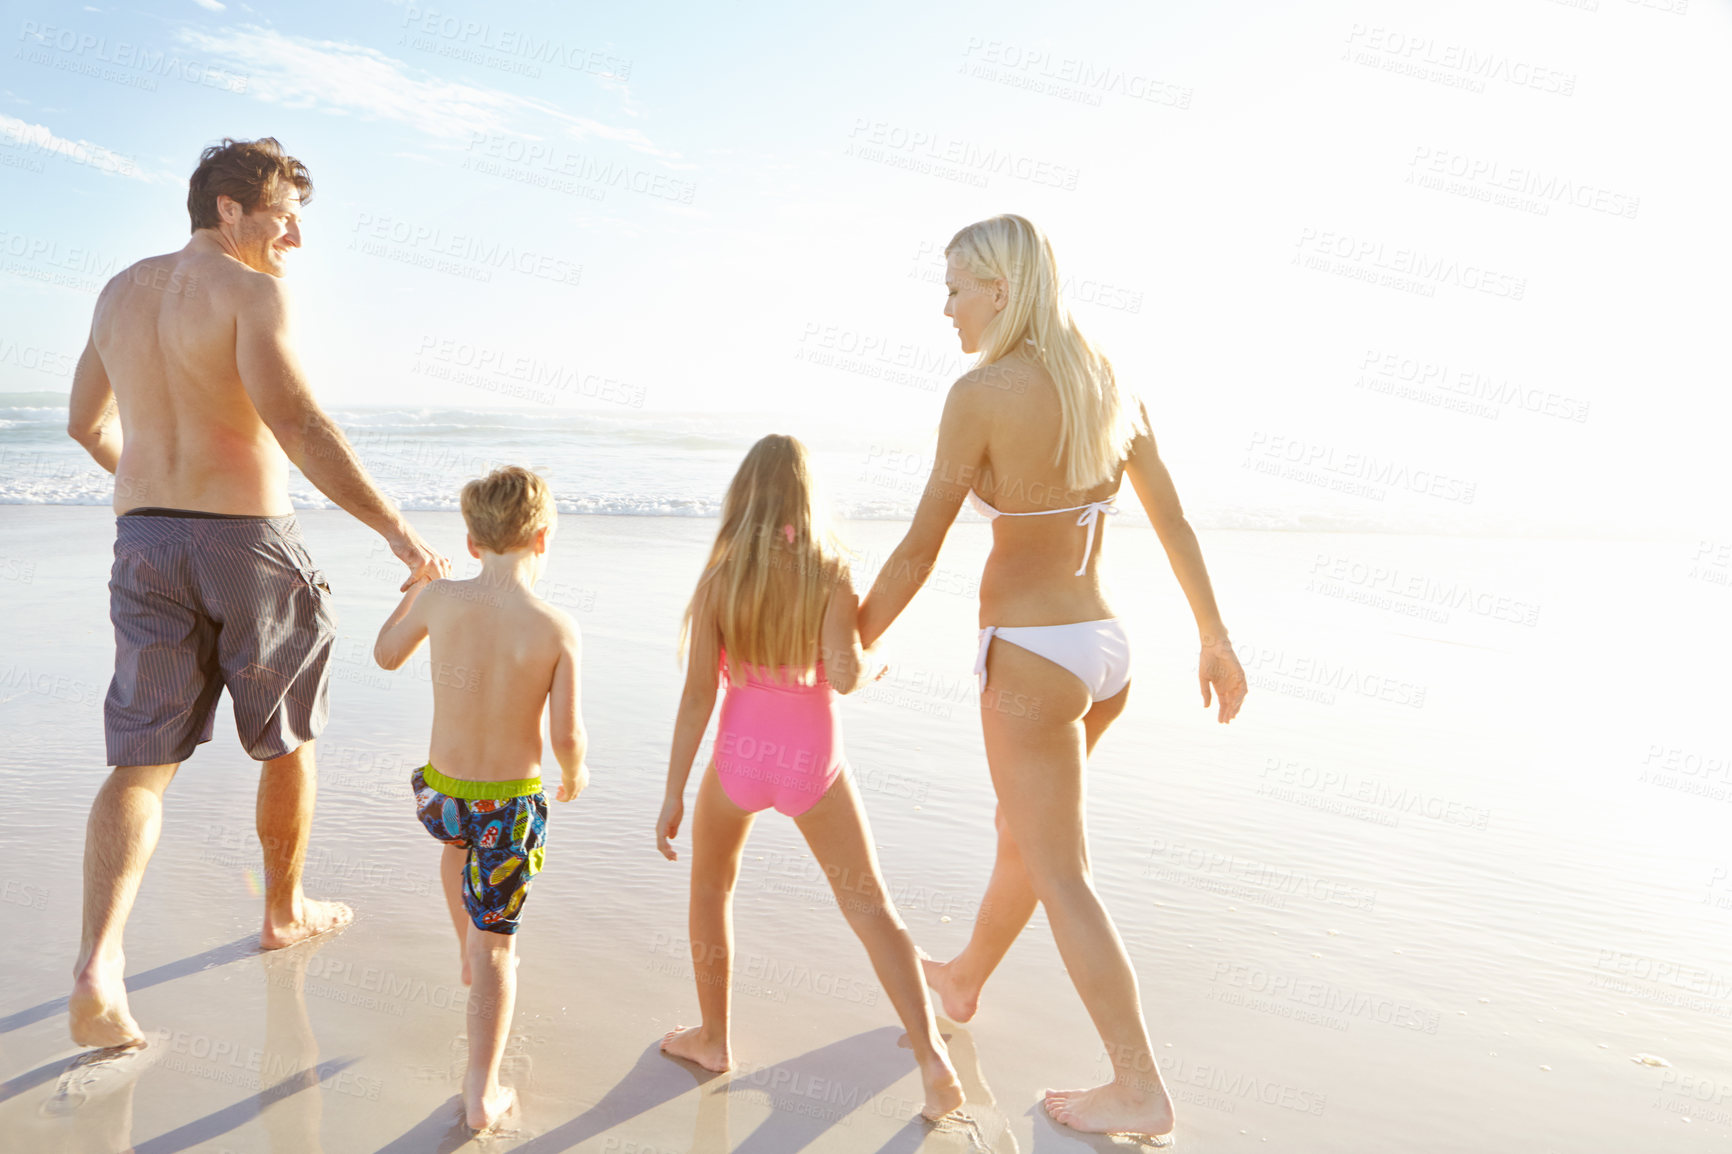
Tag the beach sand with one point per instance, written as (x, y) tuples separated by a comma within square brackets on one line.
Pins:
[(1456, 879)]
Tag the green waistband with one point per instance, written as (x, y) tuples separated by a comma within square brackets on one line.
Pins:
[(477, 790)]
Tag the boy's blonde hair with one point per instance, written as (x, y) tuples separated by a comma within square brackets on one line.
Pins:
[(505, 509), (774, 565)]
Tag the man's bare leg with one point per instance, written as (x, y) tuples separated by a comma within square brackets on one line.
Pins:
[(288, 786), (124, 823)]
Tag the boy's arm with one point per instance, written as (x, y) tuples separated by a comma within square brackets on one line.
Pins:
[(403, 631), (697, 702), (565, 717)]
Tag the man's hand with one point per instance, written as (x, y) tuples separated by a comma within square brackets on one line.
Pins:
[(425, 564), (668, 826), (1218, 666), (573, 784)]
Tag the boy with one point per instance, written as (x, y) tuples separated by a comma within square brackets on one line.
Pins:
[(497, 652)]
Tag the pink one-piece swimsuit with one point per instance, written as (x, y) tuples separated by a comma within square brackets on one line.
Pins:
[(778, 743)]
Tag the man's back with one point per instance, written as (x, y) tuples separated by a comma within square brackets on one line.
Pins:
[(166, 330)]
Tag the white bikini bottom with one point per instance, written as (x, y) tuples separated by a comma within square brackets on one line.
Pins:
[(1098, 652)]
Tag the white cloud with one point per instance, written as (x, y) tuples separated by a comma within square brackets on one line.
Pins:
[(21, 134), (211, 5), (334, 76)]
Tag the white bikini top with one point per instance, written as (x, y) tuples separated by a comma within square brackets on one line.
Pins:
[(1090, 517)]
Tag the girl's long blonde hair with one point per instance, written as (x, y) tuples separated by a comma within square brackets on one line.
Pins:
[(1095, 423), (774, 565)]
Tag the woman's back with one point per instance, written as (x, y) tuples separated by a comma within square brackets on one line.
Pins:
[(1041, 529)]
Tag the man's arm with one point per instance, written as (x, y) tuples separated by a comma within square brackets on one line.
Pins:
[(271, 374), (565, 730), (93, 419)]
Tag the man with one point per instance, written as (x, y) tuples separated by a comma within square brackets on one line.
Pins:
[(190, 394)]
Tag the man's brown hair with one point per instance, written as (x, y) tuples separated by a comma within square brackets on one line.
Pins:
[(504, 509), (248, 171)]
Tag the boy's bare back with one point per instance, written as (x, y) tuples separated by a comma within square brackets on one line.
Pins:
[(497, 656)]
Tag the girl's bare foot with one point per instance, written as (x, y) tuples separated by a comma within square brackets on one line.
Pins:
[(483, 1110), (959, 999), (691, 1043), (943, 1090), (1114, 1109), (315, 918)]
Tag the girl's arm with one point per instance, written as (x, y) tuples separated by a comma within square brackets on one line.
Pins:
[(403, 631), (844, 659), (962, 435), (1218, 665), (697, 702)]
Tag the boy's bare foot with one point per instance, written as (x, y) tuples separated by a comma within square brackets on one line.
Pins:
[(943, 1090), (96, 1010), (315, 918), (1114, 1109), (959, 1000), (484, 1111), (691, 1044)]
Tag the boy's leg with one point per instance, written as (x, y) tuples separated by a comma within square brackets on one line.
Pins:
[(491, 999), (836, 830), (451, 875), (288, 786), (124, 823), (719, 829)]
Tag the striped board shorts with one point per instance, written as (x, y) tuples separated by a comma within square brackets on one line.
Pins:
[(201, 601)]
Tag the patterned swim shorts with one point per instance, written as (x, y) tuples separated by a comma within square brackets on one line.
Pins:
[(503, 825)]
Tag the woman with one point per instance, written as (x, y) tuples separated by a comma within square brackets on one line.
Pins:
[(1039, 438)]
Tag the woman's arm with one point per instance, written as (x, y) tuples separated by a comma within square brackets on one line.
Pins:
[(962, 436), (1218, 666), (697, 702)]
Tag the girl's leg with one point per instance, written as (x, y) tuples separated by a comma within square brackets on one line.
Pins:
[(719, 829), (1009, 900), (451, 876), (1037, 769), (836, 830)]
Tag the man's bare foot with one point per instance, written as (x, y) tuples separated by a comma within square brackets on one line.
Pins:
[(315, 918), (97, 1011), (691, 1044), (943, 1089), (484, 1111), (959, 999), (1114, 1109)]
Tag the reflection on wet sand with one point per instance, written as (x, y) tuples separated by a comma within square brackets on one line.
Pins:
[(291, 1053)]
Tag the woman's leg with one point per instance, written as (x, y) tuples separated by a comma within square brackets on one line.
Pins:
[(836, 830), (1009, 900), (1037, 769), (719, 829)]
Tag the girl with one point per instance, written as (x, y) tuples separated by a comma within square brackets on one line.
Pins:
[(774, 612)]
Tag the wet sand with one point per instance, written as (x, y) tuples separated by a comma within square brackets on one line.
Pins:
[(1454, 880)]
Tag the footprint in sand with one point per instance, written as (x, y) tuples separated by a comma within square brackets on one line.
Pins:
[(98, 1073)]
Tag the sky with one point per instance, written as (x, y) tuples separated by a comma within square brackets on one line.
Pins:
[(1483, 244)]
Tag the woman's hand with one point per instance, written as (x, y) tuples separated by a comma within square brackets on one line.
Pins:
[(1218, 666), (668, 826)]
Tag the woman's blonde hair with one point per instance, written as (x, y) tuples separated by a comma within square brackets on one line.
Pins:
[(774, 565), (1095, 424)]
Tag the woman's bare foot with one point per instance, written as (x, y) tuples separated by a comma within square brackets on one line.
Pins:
[(943, 1089), (1114, 1109), (315, 918), (97, 1011), (693, 1045), (483, 1110), (959, 999)]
